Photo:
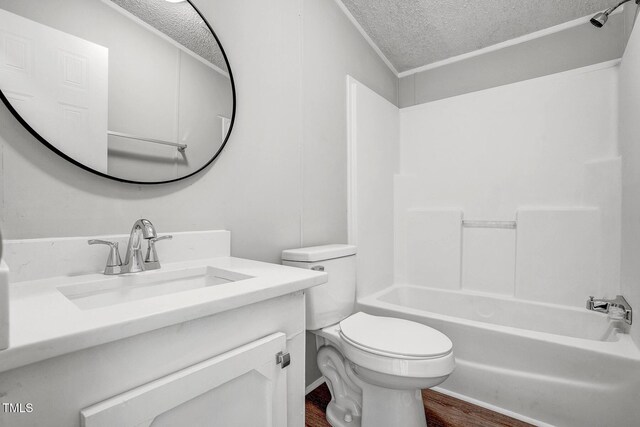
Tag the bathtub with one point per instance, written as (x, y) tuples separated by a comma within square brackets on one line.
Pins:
[(542, 363)]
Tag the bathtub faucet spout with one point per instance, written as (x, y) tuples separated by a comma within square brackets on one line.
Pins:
[(605, 305)]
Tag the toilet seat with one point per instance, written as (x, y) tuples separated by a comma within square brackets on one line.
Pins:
[(392, 337), (365, 342)]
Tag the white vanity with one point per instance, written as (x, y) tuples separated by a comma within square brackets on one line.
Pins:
[(206, 337)]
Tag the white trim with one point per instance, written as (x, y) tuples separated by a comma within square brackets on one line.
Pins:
[(492, 407), (352, 162), (301, 119), (575, 71), (314, 385), (364, 34), (163, 36), (503, 45)]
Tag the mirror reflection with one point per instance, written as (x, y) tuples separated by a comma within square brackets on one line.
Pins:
[(137, 90)]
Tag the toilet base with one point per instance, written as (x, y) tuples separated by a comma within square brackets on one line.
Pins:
[(345, 408), (356, 403), (340, 417), (388, 407)]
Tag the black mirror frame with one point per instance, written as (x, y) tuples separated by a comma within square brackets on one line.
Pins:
[(39, 137)]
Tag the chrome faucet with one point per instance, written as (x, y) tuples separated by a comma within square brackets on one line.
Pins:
[(134, 262), (604, 306)]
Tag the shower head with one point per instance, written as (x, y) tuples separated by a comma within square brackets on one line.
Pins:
[(600, 19)]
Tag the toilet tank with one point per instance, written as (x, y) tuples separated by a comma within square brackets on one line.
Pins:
[(333, 301)]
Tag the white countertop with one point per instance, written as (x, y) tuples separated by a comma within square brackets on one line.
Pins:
[(45, 324)]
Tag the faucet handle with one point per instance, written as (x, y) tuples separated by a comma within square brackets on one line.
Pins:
[(114, 254), (152, 255)]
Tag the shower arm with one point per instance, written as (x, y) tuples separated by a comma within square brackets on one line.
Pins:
[(599, 19), (611, 9)]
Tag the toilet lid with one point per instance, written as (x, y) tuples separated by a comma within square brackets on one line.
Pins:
[(393, 336)]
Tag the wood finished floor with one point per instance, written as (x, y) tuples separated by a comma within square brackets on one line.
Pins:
[(441, 411)]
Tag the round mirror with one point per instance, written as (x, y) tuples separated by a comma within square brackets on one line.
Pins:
[(138, 91)]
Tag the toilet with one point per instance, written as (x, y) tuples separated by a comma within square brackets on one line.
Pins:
[(375, 367)]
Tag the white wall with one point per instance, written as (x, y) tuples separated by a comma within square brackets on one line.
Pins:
[(553, 50), (255, 188), (45, 195), (629, 130), (333, 48), (205, 94), (201, 94), (286, 65), (541, 152)]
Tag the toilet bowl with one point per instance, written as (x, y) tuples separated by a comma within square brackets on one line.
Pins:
[(375, 367)]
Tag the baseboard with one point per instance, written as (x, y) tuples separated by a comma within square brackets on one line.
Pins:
[(491, 407), (314, 385)]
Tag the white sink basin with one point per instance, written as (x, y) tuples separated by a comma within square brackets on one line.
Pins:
[(112, 290)]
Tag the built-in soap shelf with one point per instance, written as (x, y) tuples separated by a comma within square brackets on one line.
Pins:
[(512, 225), (547, 254)]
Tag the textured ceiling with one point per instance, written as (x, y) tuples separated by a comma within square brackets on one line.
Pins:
[(413, 33), (179, 21)]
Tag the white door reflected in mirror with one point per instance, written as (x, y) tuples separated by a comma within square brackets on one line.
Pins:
[(129, 90), (46, 76)]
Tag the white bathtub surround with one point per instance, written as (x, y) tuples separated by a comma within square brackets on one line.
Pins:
[(603, 188), (373, 131), (629, 131), (489, 152), (44, 323), (549, 164), (542, 363), (539, 161), (433, 247), (488, 270), (558, 255)]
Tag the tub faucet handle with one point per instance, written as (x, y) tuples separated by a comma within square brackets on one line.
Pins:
[(619, 304), (600, 305)]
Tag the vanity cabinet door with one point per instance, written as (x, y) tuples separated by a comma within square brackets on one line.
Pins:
[(243, 387)]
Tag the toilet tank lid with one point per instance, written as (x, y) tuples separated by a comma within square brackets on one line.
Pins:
[(318, 253)]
